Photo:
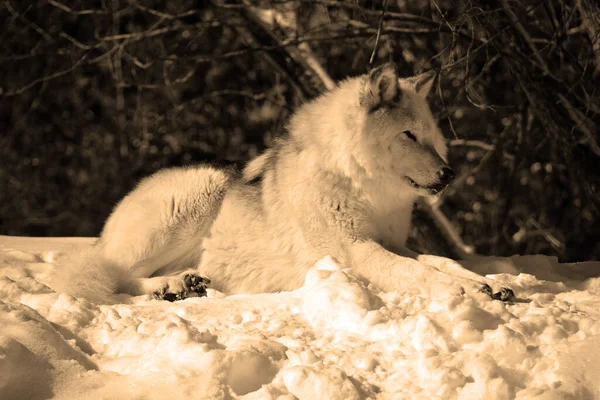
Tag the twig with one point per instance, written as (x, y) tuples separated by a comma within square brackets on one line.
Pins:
[(581, 123), (476, 49), (388, 29), (590, 21), (491, 149), (47, 78), (161, 14), (550, 238), (521, 29), (348, 5), (384, 9), (32, 25), (230, 92), (137, 62), (34, 104), (445, 226), (75, 12), (267, 48), (104, 56), (479, 144), (77, 43), (312, 61), (142, 35), (256, 33), (441, 97), (118, 68), (452, 28)]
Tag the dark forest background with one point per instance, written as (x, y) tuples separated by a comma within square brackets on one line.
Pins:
[(96, 94)]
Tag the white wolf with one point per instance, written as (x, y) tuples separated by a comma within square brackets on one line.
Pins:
[(341, 182)]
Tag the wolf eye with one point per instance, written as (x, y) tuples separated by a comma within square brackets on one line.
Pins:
[(410, 136)]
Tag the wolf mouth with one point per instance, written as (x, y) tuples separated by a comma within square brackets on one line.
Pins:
[(433, 189), (413, 183)]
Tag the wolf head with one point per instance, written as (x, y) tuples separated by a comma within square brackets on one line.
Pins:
[(376, 129), (400, 133)]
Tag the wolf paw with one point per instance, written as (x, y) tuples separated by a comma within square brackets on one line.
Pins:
[(196, 284), (505, 294), (487, 289), (188, 283), (164, 294)]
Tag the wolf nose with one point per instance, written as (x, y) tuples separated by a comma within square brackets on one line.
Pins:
[(446, 175)]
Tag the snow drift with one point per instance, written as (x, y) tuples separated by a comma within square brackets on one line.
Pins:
[(334, 338)]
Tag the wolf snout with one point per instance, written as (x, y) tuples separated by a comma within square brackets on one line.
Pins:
[(446, 175)]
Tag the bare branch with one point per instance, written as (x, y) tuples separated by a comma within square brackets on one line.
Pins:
[(445, 227), (585, 125), (384, 9), (479, 144), (76, 12), (137, 62), (136, 36), (389, 29), (203, 58), (366, 11), (77, 43), (47, 77), (117, 63), (161, 14), (590, 21), (312, 61), (519, 26), (27, 22)]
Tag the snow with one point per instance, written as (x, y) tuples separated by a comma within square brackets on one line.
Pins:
[(334, 338)]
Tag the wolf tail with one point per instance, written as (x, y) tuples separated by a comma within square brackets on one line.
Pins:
[(85, 273)]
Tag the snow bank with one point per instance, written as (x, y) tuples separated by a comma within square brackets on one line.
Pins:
[(334, 338)]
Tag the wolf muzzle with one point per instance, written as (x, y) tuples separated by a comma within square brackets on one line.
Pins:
[(446, 175)]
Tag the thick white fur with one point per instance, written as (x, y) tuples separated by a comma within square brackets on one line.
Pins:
[(157, 229), (337, 184)]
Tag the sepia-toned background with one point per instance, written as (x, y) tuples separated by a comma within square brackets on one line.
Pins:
[(95, 95)]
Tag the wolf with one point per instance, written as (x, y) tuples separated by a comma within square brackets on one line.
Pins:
[(341, 182)]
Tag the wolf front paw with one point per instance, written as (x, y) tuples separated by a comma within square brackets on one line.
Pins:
[(181, 287), (487, 289), (505, 294), (164, 294)]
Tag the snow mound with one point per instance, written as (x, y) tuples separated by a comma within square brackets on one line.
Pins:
[(334, 338)]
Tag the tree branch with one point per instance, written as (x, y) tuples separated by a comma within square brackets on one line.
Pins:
[(590, 21), (55, 75), (585, 125), (76, 12)]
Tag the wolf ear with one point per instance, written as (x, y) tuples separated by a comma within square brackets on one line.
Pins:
[(381, 87), (422, 83)]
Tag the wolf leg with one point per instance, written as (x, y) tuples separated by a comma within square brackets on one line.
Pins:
[(454, 268), (391, 272)]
